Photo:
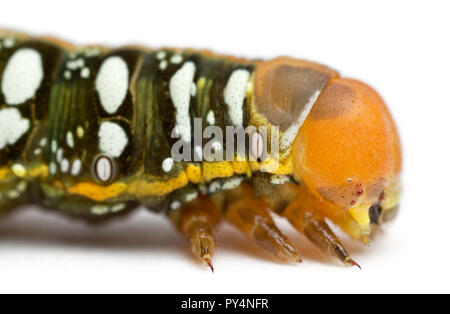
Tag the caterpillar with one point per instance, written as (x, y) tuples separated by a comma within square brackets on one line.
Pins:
[(91, 132)]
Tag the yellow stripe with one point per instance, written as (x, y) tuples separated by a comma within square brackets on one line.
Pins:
[(140, 188), (218, 169)]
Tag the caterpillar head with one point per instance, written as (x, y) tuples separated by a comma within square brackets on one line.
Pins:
[(348, 152), (340, 135)]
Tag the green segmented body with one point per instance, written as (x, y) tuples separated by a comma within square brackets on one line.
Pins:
[(73, 106), (66, 113)]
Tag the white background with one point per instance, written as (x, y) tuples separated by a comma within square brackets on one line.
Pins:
[(399, 47)]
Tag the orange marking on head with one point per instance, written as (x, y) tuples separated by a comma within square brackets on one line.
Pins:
[(348, 149)]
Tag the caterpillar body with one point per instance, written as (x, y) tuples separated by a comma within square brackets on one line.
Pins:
[(90, 132)]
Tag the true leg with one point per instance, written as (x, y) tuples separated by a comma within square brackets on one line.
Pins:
[(251, 215), (196, 220), (307, 219)]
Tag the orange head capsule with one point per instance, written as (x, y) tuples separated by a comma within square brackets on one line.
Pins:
[(347, 152), (343, 143)]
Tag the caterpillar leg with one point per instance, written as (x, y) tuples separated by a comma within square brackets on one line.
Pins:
[(320, 234), (305, 215), (252, 216), (197, 220)]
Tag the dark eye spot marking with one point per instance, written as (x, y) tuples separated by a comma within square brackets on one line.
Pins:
[(375, 213)]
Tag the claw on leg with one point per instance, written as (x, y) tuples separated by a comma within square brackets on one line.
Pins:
[(305, 215), (251, 216), (319, 233), (202, 241), (196, 220)]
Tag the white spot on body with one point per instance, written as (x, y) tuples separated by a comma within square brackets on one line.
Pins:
[(118, 207), (234, 95), (232, 183), (161, 55), (37, 151), (59, 154), (9, 42), (191, 196), (112, 139), (12, 126), (103, 169), (167, 164), (76, 167), (211, 118), (43, 142), (52, 168), (214, 187), (19, 170), (163, 65), (180, 86), (289, 135), (75, 64), (22, 76), (100, 210), (176, 59), (85, 73), (80, 132), (65, 165), (67, 75), (175, 205), (13, 194), (112, 83), (69, 140), (54, 146)]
